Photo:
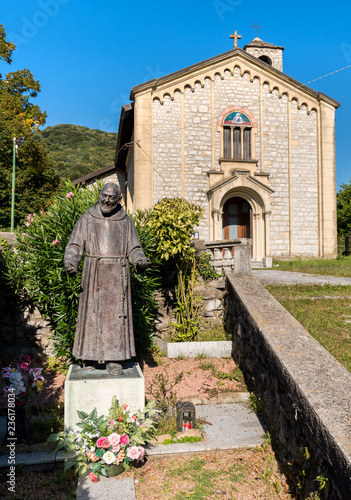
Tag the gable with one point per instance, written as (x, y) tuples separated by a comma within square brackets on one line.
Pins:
[(229, 61)]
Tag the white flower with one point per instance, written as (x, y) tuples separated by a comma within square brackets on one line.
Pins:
[(130, 420), (109, 457), (15, 377), (92, 449)]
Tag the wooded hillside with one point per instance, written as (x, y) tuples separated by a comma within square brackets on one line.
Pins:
[(78, 150)]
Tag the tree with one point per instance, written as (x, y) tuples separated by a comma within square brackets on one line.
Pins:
[(344, 209), (19, 117)]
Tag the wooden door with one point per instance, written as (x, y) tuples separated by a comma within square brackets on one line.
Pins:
[(236, 219)]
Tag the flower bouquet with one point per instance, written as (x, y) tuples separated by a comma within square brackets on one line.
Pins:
[(110, 445), (23, 380)]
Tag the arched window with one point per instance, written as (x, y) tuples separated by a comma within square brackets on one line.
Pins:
[(237, 136), (266, 59)]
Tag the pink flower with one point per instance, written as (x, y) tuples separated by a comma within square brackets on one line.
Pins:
[(92, 456), (124, 440), (103, 442), (133, 453), (93, 477), (69, 195), (29, 219), (114, 439), (112, 422), (115, 449), (6, 372), (142, 452), (55, 242), (24, 366)]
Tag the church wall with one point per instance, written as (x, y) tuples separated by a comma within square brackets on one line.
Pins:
[(185, 127), (197, 149), (167, 148), (237, 90), (276, 159), (304, 169)]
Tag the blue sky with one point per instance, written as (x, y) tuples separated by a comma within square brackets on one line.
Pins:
[(88, 54)]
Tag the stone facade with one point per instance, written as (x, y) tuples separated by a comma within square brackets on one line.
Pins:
[(289, 177)]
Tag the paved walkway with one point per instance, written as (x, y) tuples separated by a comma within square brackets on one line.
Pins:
[(270, 277), (228, 426)]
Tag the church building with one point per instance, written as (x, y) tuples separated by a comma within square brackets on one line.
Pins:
[(245, 141)]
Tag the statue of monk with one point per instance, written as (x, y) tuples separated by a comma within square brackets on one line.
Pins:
[(107, 235)]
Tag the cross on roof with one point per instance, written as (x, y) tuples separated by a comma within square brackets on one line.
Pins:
[(236, 38), (256, 27)]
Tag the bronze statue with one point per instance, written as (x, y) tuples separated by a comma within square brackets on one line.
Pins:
[(107, 235)]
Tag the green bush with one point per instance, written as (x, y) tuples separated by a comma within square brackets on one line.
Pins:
[(37, 267), (172, 221)]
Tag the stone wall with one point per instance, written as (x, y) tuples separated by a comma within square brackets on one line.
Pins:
[(211, 307), (22, 330), (305, 392), (289, 153)]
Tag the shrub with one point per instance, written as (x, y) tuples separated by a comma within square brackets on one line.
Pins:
[(172, 220), (37, 267)]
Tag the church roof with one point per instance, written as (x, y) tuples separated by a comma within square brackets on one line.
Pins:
[(125, 132), (257, 42), (222, 58)]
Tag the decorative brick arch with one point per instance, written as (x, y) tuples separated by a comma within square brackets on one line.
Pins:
[(236, 108)]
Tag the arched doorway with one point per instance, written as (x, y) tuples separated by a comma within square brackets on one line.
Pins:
[(237, 216)]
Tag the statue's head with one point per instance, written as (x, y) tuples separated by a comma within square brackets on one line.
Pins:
[(109, 198)]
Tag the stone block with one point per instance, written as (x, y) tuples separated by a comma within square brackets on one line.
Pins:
[(113, 487), (212, 349), (86, 390), (267, 262)]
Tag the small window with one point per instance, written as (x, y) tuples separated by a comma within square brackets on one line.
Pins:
[(266, 59)]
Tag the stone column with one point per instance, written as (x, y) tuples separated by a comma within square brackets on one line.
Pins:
[(143, 170), (267, 259), (328, 181)]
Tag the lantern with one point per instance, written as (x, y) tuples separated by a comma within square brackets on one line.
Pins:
[(185, 416)]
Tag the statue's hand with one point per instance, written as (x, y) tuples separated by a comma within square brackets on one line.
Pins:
[(70, 269), (142, 264)]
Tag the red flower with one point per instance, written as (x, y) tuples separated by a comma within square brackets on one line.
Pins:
[(93, 477), (120, 419)]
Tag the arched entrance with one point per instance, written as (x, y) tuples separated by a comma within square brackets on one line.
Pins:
[(237, 218)]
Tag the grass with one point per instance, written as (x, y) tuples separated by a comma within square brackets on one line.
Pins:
[(31, 485), (230, 474), (210, 332), (235, 374), (325, 312), (335, 267)]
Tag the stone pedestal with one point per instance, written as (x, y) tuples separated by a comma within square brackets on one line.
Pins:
[(86, 390), (267, 262)]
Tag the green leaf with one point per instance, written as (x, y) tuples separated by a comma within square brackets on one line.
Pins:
[(82, 415)]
